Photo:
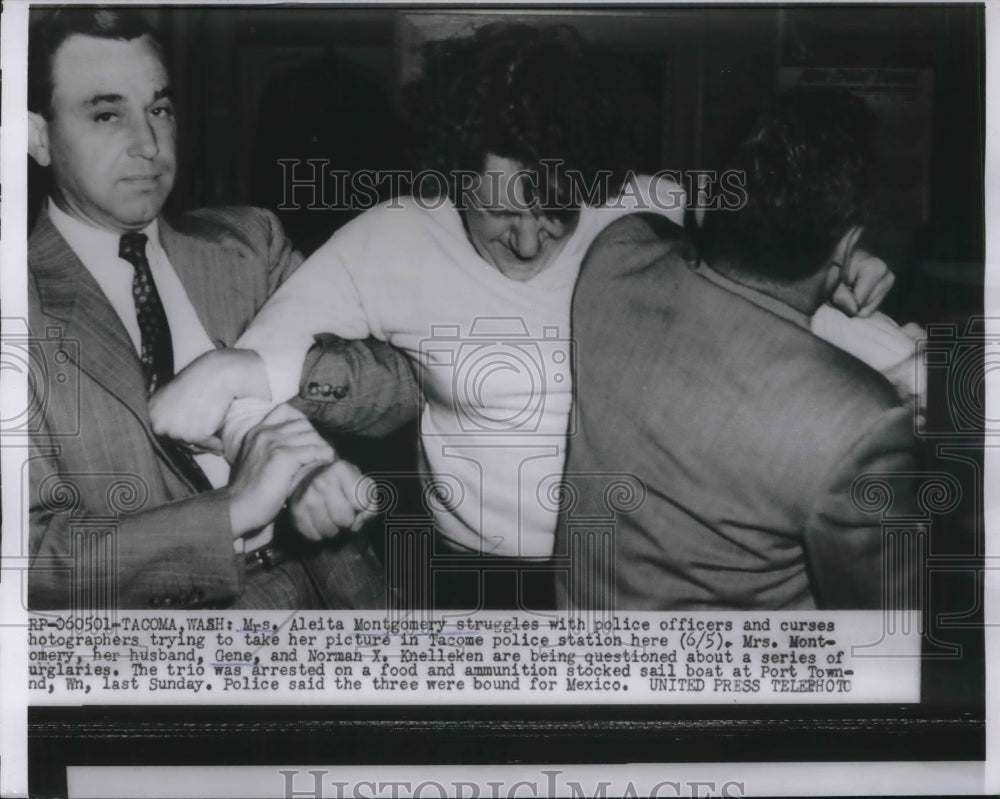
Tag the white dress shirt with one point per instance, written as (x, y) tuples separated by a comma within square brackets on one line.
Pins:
[(97, 250)]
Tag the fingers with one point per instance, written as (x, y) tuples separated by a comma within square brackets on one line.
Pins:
[(870, 295), (291, 462), (193, 405), (301, 455), (329, 501), (284, 454), (266, 476), (316, 518), (298, 456), (306, 507), (293, 432), (276, 456), (843, 298), (193, 426), (283, 413), (349, 479), (869, 280), (902, 378), (863, 287)]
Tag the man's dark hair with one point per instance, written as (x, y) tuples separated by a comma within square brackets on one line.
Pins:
[(50, 28), (529, 94), (804, 158)]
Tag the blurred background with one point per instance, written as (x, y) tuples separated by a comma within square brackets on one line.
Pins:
[(258, 86)]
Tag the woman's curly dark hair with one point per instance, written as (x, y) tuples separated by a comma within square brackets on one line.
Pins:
[(805, 159), (530, 95)]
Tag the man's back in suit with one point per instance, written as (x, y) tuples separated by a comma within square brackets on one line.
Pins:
[(745, 430)]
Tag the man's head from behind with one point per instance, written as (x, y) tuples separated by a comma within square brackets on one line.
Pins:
[(804, 158), (101, 115)]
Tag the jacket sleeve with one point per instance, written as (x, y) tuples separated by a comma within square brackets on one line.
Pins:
[(859, 541), (364, 388), (282, 258)]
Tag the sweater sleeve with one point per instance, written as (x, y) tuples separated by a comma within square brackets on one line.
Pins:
[(319, 297)]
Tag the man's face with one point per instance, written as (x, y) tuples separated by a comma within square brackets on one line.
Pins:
[(111, 139), (509, 234)]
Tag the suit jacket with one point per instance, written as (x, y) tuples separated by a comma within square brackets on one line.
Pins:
[(338, 400), (112, 521), (718, 441)]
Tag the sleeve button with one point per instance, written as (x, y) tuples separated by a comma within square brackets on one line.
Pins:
[(340, 392)]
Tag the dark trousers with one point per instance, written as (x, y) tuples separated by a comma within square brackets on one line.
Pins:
[(343, 573), (424, 571), (492, 583)]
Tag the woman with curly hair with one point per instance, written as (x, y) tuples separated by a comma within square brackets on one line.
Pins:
[(526, 157)]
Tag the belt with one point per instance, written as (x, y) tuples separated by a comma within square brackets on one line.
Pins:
[(266, 557)]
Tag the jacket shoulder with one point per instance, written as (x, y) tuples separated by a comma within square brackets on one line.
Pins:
[(632, 244), (638, 228), (246, 224), (849, 377)]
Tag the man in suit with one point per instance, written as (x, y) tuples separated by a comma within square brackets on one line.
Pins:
[(736, 432), (120, 299)]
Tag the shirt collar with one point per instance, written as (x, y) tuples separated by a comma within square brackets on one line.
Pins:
[(85, 238), (759, 298)]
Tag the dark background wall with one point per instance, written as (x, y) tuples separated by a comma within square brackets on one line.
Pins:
[(256, 85)]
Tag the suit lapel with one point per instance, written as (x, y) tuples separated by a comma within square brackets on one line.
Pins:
[(69, 295)]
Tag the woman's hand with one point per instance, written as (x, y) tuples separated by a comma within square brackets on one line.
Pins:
[(330, 500), (865, 281), (277, 455), (192, 406)]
